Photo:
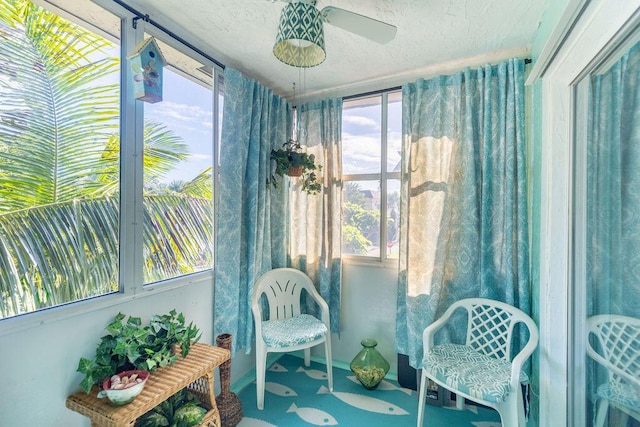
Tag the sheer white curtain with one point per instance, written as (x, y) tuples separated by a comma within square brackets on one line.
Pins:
[(315, 227)]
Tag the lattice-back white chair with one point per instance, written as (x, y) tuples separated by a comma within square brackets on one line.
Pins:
[(613, 341), (482, 369), (287, 328)]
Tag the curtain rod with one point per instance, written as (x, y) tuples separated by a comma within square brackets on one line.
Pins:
[(171, 34), (373, 92), (391, 89)]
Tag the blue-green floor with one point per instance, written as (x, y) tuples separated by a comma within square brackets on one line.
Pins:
[(298, 396)]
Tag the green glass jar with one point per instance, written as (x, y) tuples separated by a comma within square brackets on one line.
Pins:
[(369, 365)]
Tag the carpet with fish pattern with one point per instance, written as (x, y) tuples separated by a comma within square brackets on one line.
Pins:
[(298, 396)]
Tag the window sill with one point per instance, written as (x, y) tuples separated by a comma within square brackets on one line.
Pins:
[(391, 263), (32, 320)]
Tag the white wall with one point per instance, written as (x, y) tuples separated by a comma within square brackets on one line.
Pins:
[(368, 311), (39, 363)]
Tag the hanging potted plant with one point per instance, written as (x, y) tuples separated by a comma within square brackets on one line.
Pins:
[(290, 160)]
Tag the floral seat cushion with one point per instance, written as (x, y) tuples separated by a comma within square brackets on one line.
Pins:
[(621, 395), (471, 372), (292, 331)]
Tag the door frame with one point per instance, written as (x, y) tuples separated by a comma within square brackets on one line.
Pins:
[(585, 34)]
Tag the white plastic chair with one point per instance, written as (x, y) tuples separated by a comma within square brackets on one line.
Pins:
[(613, 341), (481, 370), (287, 329)]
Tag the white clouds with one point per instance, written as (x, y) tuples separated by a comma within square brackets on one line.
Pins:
[(200, 156), (361, 143), (361, 121), (361, 153), (175, 114)]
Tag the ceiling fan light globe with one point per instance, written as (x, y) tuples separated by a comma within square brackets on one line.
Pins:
[(300, 38)]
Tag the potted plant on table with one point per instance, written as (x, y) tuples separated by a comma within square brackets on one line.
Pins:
[(130, 345), (292, 161)]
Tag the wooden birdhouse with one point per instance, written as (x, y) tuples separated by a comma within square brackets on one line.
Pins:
[(146, 63)]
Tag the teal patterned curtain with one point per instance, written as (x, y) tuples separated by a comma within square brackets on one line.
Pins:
[(463, 197), (252, 217), (316, 219), (613, 198)]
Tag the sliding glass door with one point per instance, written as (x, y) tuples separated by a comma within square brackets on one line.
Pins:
[(606, 240)]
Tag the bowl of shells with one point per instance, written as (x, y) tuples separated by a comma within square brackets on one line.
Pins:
[(122, 388)]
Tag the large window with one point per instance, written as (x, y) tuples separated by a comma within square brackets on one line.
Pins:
[(178, 186), (71, 226), (371, 146), (59, 160)]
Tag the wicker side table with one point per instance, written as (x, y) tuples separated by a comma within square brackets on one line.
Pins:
[(195, 372)]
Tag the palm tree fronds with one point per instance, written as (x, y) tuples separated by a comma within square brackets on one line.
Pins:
[(178, 235), (54, 254)]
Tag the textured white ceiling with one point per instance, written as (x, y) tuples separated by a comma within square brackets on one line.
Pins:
[(434, 37)]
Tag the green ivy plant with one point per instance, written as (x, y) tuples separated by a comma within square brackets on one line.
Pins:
[(169, 330), (131, 345), (291, 155)]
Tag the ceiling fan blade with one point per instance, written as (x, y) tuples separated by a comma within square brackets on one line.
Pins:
[(366, 27)]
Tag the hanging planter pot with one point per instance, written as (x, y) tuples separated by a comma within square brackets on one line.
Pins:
[(295, 171), (290, 160)]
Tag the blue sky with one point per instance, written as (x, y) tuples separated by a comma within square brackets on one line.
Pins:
[(361, 138), (186, 108), (361, 141)]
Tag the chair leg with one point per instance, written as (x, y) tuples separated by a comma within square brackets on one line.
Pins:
[(261, 367), (522, 422), (307, 357), (422, 395), (327, 352), (601, 414), (512, 410)]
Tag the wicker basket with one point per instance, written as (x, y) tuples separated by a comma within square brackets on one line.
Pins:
[(295, 171)]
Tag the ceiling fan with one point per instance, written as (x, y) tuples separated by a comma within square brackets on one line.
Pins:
[(300, 39)]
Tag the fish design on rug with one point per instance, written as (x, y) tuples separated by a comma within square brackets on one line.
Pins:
[(365, 402), (486, 424), (276, 367), (254, 422), (313, 373), (384, 385), (279, 389), (313, 416)]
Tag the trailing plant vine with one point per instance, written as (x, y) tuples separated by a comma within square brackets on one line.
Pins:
[(291, 156)]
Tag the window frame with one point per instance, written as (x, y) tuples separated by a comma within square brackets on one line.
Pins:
[(131, 283), (383, 177)]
